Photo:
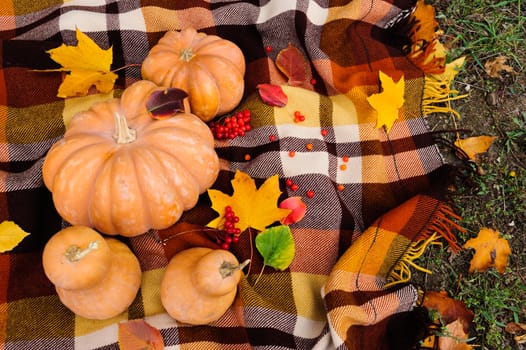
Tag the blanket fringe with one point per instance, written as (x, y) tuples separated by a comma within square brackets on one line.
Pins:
[(439, 228), (438, 95), (401, 272)]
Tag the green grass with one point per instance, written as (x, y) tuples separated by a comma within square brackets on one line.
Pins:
[(494, 194), (483, 28)]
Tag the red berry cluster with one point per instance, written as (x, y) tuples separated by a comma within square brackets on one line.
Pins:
[(232, 126), (230, 233), (298, 117)]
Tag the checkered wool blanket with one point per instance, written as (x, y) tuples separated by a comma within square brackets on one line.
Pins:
[(362, 220)]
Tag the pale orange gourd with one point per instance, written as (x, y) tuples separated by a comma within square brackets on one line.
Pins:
[(200, 284), (76, 257), (209, 68), (114, 293), (122, 172)]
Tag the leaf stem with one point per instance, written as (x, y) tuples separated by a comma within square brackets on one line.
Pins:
[(251, 249), (259, 275), (126, 66)]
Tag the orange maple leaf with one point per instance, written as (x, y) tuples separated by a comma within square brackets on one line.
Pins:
[(490, 250), (475, 145)]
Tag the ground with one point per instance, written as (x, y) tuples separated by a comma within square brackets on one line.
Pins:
[(490, 192)]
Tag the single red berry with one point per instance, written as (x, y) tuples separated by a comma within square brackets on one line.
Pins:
[(294, 187), (323, 132), (225, 246), (313, 81), (288, 182), (246, 113), (268, 48), (310, 193), (271, 138)]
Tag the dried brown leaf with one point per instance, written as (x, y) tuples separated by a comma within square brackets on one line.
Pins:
[(291, 62), (497, 65)]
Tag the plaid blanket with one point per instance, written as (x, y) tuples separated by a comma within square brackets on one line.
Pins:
[(367, 207)]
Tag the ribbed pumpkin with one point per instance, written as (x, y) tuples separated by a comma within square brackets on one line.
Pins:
[(122, 172), (209, 68)]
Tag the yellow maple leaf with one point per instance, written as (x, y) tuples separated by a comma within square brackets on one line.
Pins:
[(388, 102), (256, 208), (451, 71), (88, 65), (10, 235), (490, 250), (475, 145)]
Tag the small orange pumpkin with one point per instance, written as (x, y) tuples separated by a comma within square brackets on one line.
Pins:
[(122, 172), (200, 284), (76, 257), (114, 293), (95, 277), (209, 68)]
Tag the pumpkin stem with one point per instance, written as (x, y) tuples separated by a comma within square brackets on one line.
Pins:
[(123, 134), (186, 55), (227, 268), (75, 253)]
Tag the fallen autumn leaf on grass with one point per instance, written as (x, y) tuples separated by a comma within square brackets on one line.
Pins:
[(453, 319), (472, 146), (497, 65), (490, 251)]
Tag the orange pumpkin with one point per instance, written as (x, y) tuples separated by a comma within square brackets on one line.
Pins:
[(76, 257), (122, 172), (114, 293), (200, 284), (209, 68)]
